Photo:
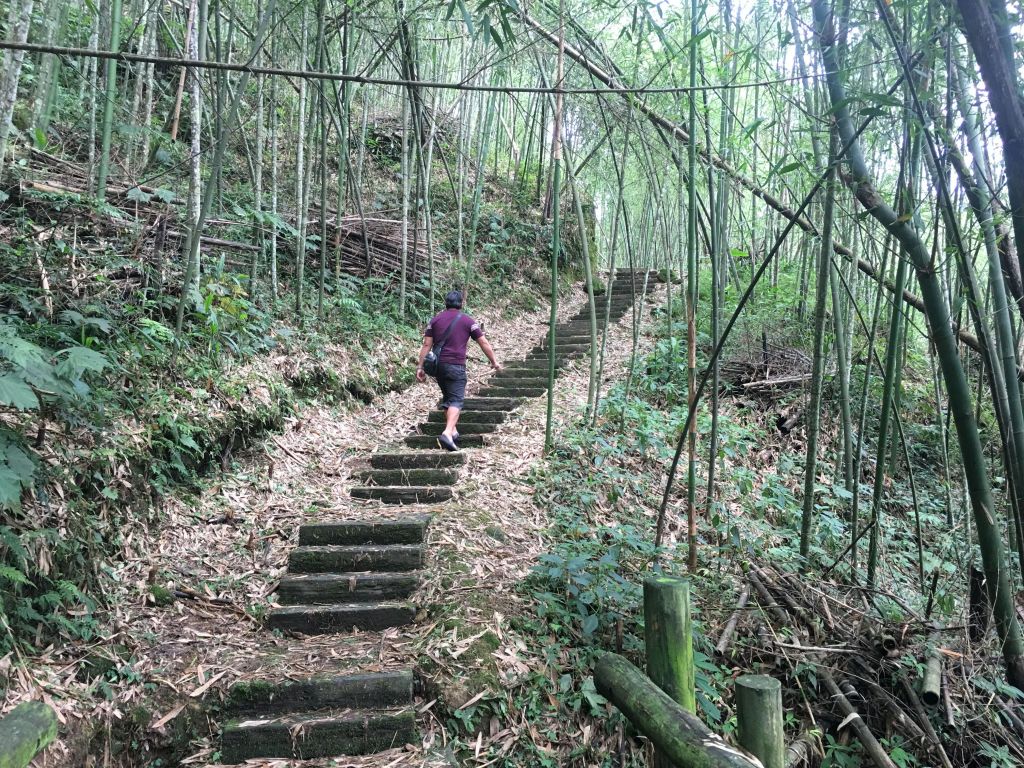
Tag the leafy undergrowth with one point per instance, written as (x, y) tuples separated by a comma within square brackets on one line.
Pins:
[(601, 489), (107, 413)]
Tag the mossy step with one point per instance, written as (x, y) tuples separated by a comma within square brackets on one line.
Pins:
[(429, 460), (340, 617), (429, 441), (564, 357), (534, 379), (409, 530), (531, 393), (561, 355), (342, 558), (402, 494), (538, 369), (524, 366), (490, 404), (471, 417), (313, 736), (465, 428), (256, 698), (407, 476), (329, 588), (563, 349), (583, 326)]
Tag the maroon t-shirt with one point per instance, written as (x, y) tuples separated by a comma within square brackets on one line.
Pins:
[(454, 351)]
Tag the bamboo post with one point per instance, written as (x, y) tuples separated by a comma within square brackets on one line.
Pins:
[(759, 718), (677, 735), (669, 636), (24, 732)]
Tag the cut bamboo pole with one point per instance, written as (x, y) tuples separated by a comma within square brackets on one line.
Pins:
[(676, 734), (759, 718), (669, 636), (931, 686), (871, 746), (730, 627)]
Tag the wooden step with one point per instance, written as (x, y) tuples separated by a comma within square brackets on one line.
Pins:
[(429, 441), (408, 530), (328, 588), (340, 617), (256, 698), (471, 417), (407, 476), (312, 736), (422, 460), (342, 558), (403, 494)]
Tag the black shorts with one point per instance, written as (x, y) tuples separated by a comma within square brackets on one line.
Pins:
[(452, 380)]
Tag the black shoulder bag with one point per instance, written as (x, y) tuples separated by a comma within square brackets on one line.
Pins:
[(433, 358)]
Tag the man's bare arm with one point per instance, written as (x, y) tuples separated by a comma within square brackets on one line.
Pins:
[(428, 342), (485, 345)]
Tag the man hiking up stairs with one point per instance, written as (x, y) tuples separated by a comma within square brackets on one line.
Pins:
[(448, 334)]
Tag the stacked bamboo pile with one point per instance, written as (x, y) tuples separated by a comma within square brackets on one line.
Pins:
[(367, 247), (876, 678), (372, 247), (766, 369)]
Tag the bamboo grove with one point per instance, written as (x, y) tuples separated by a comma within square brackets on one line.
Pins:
[(859, 167)]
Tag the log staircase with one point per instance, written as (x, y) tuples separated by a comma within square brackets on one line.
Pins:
[(361, 574)]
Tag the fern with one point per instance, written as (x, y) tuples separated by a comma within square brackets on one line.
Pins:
[(13, 543), (12, 575)]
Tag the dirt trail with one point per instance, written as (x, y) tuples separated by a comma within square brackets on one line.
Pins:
[(481, 543), (230, 545)]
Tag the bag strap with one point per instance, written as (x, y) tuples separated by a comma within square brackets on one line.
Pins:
[(441, 342)]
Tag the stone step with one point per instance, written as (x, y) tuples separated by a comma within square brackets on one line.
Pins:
[(429, 441), (313, 736), (402, 494), (465, 428), (490, 404), (407, 476), (409, 530), (328, 588), (583, 325), (429, 460), (537, 368), (535, 392), (524, 365), (540, 353), (471, 417), (563, 357), (538, 379), (256, 698), (582, 330), (342, 558), (563, 349), (340, 617)]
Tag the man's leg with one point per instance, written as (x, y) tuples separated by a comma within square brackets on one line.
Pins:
[(451, 421), (455, 396)]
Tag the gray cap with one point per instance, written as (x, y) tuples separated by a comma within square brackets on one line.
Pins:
[(453, 300)]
